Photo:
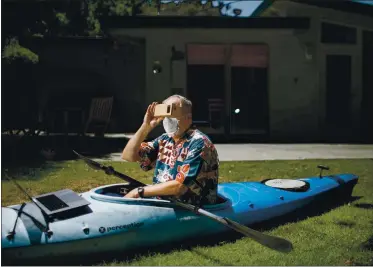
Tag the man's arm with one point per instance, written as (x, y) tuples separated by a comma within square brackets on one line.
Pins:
[(170, 188), (131, 151)]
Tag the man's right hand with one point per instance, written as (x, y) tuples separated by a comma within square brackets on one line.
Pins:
[(149, 119), (131, 151)]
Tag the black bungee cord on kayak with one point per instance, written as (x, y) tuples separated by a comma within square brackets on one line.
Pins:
[(44, 228), (12, 233)]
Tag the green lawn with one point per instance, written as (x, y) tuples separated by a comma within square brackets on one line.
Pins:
[(342, 236)]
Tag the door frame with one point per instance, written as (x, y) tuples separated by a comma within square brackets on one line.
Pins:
[(355, 82), (365, 124)]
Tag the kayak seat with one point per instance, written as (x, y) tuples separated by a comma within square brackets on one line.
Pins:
[(221, 200), (221, 203), (114, 190)]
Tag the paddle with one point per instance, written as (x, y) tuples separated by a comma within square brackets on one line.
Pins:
[(275, 243)]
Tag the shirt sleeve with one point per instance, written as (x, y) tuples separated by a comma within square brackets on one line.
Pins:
[(148, 153), (188, 172)]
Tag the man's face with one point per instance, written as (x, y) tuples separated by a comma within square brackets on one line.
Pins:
[(185, 119)]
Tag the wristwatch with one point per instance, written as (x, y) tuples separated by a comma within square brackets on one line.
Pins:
[(140, 190)]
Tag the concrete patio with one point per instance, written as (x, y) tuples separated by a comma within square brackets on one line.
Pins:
[(240, 152)]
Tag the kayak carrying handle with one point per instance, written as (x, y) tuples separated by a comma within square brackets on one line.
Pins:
[(322, 167)]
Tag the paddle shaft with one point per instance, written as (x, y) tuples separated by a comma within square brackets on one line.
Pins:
[(275, 243), (109, 170), (272, 242), (123, 176)]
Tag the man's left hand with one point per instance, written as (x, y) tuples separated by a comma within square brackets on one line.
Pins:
[(170, 188), (133, 194)]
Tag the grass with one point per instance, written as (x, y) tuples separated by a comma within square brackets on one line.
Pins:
[(341, 236)]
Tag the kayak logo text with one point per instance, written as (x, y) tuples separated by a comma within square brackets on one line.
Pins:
[(119, 227)]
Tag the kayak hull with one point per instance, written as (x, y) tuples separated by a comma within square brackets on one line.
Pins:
[(111, 222)]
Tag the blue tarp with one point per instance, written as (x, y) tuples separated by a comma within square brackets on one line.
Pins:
[(241, 8)]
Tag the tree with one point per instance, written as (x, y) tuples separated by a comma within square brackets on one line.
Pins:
[(45, 19)]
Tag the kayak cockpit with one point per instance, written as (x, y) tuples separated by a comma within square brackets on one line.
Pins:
[(113, 190), (115, 193)]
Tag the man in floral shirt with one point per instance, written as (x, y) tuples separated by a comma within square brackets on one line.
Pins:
[(184, 160)]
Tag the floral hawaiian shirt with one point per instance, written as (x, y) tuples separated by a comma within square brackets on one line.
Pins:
[(192, 160)]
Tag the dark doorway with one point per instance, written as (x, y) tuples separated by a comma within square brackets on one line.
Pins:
[(338, 95), (249, 100), (249, 89), (367, 98)]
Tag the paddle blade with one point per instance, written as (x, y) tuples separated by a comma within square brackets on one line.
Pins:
[(272, 242)]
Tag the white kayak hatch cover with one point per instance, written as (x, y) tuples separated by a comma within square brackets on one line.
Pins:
[(285, 183)]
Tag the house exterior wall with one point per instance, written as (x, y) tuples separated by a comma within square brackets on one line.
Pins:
[(319, 15), (293, 80), (297, 66)]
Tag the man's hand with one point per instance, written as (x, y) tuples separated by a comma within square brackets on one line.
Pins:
[(130, 152), (133, 194), (170, 188), (149, 119)]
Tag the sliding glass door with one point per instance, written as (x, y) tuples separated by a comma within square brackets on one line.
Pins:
[(249, 89)]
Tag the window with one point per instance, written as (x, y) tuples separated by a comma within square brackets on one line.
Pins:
[(337, 34)]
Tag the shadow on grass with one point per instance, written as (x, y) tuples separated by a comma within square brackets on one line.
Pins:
[(346, 224), (368, 245), (33, 144), (28, 156), (209, 257), (34, 170), (367, 206), (323, 205)]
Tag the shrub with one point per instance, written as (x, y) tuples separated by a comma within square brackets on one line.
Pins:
[(14, 51)]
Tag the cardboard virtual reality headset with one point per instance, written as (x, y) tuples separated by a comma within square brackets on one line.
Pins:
[(168, 110)]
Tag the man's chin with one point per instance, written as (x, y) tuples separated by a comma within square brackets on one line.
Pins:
[(174, 135), (177, 134), (171, 134)]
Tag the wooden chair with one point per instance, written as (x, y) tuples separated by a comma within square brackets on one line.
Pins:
[(216, 106), (99, 114)]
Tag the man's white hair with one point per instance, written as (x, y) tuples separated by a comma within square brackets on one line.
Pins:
[(185, 102)]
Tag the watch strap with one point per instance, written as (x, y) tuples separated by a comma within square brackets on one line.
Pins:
[(140, 190)]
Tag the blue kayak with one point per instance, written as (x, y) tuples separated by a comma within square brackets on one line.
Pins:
[(101, 220)]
